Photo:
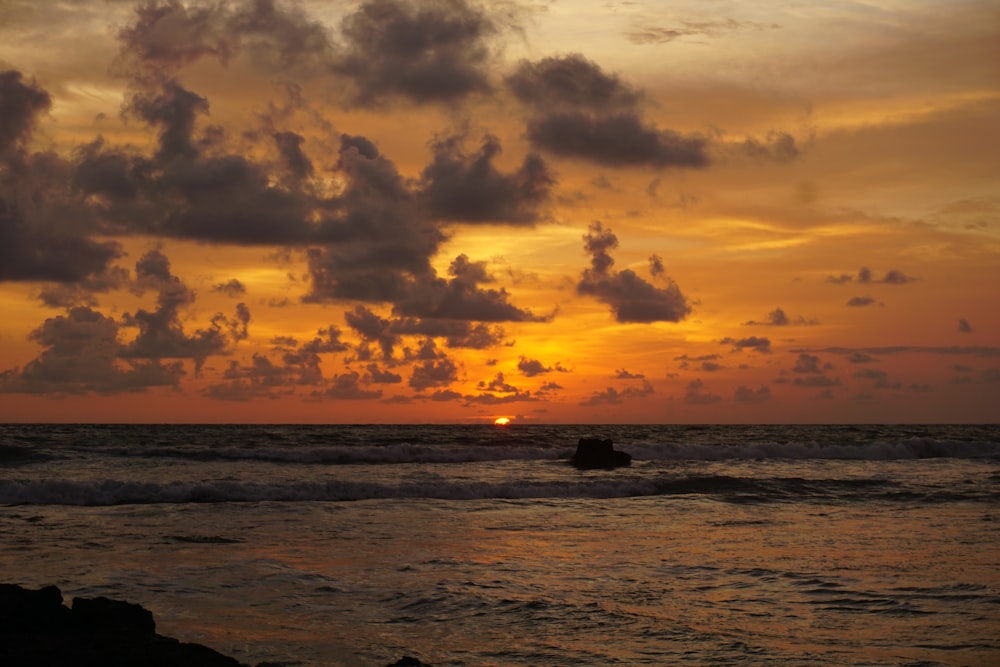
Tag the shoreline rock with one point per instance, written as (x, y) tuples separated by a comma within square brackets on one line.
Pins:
[(599, 453), (38, 630)]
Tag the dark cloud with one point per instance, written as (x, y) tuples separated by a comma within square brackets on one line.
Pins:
[(778, 318), (758, 343), (862, 301), (233, 288), (82, 354), (964, 326), (631, 298), (382, 376), (461, 298), (865, 276), (579, 111), (612, 396), (955, 350), (428, 51), (695, 394), (20, 105), (497, 385), (373, 329), (261, 378), (777, 147), (377, 245), (807, 363), (534, 367), (167, 34), (433, 373), (744, 394), (459, 187), (570, 81), (622, 374), (161, 332), (347, 386), (616, 140), (43, 232)]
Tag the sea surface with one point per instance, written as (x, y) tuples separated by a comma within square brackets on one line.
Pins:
[(329, 546)]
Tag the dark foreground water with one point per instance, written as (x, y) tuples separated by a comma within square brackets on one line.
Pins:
[(477, 545)]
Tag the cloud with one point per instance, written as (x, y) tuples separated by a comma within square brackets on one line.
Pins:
[(82, 354), (232, 288), (778, 318), (570, 81), (622, 374), (615, 140), (612, 396), (954, 350), (695, 394), (456, 186), (161, 333), (777, 147), (20, 104), (533, 367), (862, 301), (433, 373), (653, 34), (631, 298), (431, 51), (744, 394), (758, 343), (42, 231), (964, 326), (346, 386), (865, 276), (577, 110), (461, 298)]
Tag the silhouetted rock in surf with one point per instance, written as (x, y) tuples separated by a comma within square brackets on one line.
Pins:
[(37, 630), (598, 453)]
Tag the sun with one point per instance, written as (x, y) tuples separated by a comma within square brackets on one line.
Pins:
[(501, 421)]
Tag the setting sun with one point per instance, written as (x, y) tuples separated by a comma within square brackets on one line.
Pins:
[(502, 421)]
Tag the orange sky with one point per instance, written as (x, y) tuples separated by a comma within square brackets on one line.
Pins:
[(447, 211)]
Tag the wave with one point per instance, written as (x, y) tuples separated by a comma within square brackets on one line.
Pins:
[(719, 487), (910, 448)]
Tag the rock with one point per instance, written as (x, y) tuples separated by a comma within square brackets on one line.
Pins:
[(408, 661), (101, 615), (37, 630), (598, 453)]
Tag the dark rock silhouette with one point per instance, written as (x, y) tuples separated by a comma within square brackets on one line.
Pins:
[(598, 453), (37, 630)]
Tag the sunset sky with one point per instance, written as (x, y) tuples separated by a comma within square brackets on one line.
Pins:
[(451, 211)]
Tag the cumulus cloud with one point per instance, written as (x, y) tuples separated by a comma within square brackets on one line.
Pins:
[(457, 186), (433, 373), (758, 343), (612, 396), (577, 110), (631, 298), (862, 301), (347, 386), (82, 354), (232, 288), (431, 51), (161, 332), (866, 276), (696, 394), (744, 394), (778, 318), (461, 298), (534, 367), (42, 229)]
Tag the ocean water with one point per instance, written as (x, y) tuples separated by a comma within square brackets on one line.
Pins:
[(329, 546)]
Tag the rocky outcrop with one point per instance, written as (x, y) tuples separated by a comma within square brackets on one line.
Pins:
[(598, 453), (37, 630)]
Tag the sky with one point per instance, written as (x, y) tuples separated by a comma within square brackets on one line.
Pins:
[(555, 211)]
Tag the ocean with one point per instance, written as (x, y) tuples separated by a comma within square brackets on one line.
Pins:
[(477, 545)]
